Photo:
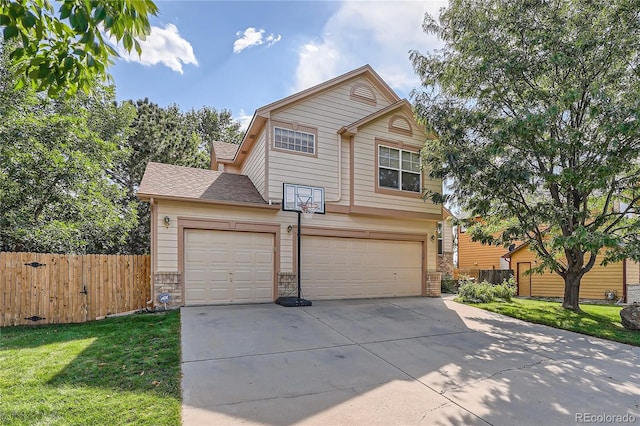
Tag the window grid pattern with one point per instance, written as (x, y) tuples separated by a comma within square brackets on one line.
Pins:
[(293, 140), (399, 169)]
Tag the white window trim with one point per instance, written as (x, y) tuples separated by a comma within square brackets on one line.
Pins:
[(440, 239), (399, 170), (312, 137)]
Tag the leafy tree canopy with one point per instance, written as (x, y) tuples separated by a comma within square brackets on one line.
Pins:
[(537, 108), (66, 50), (166, 135)]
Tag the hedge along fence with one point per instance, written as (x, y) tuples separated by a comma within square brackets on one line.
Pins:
[(41, 288)]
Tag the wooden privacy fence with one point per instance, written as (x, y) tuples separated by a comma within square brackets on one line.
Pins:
[(41, 288), (494, 276), (460, 273)]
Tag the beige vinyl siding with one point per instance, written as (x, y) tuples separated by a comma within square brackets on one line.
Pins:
[(327, 112), (593, 284), (167, 240), (366, 175), (254, 165), (633, 272), (472, 254), (447, 236)]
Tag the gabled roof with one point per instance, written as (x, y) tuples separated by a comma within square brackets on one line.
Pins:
[(187, 183), (366, 69), (402, 104), (224, 150), (447, 213), (262, 114), (515, 249)]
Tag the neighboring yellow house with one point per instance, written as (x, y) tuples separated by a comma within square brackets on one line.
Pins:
[(475, 255), (600, 283), (221, 236)]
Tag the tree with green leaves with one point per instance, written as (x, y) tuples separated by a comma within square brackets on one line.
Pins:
[(537, 109), (167, 135), (69, 49), (54, 193), (213, 125)]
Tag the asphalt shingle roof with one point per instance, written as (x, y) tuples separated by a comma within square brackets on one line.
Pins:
[(208, 185), (224, 150)]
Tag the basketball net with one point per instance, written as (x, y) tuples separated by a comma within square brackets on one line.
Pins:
[(308, 209)]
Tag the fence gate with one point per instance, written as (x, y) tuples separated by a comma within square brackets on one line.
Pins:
[(42, 288)]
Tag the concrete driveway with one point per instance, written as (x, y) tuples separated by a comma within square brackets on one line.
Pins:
[(397, 361)]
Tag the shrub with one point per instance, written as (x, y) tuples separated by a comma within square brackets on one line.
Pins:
[(484, 292), (449, 285)]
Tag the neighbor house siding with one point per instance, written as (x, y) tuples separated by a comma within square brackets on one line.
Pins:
[(633, 272), (167, 255), (593, 284), (254, 166), (365, 179), (475, 255), (327, 112)]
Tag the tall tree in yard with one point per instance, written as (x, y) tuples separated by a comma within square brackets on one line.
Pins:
[(213, 125), (55, 195), (167, 135), (537, 109)]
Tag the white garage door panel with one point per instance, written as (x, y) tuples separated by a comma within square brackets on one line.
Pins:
[(227, 267), (338, 268)]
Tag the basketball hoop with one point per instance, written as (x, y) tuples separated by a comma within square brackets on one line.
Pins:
[(308, 209)]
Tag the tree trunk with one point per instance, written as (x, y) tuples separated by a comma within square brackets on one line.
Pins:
[(572, 291)]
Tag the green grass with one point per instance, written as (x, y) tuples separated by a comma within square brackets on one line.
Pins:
[(597, 320), (118, 371)]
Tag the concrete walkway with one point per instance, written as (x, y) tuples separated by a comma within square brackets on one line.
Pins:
[(397, 361)]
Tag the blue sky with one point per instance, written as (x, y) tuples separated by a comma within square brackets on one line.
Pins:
[(241, 55)]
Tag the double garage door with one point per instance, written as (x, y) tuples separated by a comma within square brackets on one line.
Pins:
[(238, 267)]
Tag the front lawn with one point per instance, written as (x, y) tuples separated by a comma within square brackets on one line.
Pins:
[(118, 371), (596, 320)]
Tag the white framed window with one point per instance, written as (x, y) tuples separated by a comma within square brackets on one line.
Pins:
[(440, 240), (294, 140), (399, 169)]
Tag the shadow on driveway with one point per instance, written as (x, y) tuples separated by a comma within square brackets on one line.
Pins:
[(395, 361)]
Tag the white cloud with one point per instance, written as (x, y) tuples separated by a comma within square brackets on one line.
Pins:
[(244, 119), (271, 39), (252, 37), (163, 46), (377, 33)]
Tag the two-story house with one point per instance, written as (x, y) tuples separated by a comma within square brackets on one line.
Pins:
[(221, 236)]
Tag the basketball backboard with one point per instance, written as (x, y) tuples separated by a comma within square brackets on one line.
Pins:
[(296, 195)]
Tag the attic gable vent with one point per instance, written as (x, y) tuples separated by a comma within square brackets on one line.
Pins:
[(400, 124), (362, 92)]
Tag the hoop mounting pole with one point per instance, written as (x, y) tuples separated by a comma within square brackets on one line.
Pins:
[(299, 253)]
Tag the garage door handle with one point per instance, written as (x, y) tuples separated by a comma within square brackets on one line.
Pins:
[(230, 277)]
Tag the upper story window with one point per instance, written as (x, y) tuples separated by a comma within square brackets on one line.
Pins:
[(398, 169), (294, 140)]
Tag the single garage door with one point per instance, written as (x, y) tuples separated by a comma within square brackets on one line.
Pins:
[(227, 267), (341, 268)]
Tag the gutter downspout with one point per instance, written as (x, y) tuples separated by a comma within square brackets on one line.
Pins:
[(339, 140), (154, 237), (624, 281)]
